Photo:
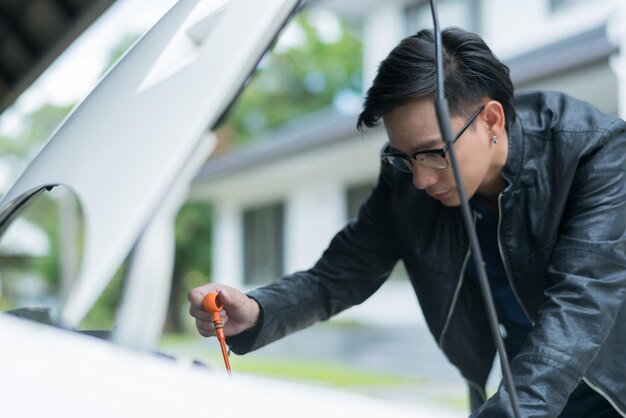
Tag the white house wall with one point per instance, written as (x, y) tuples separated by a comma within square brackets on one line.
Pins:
[(312, 186), (227, 243), (315, 212), (382, 28), (617, 32), (514, 27)]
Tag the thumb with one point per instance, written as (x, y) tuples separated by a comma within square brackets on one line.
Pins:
[(223, 297), (227, 299)]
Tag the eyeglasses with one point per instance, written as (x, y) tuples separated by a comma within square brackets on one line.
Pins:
[(431, 158)]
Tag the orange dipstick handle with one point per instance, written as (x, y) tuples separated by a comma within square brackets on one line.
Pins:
[(213, 305)]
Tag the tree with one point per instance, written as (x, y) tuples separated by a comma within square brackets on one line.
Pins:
[(312, 73), (192, 262)]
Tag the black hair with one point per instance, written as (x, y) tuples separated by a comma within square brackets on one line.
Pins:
[(472, 72)]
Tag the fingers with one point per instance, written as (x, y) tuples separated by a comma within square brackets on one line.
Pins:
[(195, 296), (200, 314), (206, 329), (204, 320), (235, 307), (203, 315)]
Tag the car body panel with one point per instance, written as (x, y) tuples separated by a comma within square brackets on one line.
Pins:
[(122, 150), (100, 379)]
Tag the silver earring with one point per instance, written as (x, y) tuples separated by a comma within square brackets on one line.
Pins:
[(494, 139)]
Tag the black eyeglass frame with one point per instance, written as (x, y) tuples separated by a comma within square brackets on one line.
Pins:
[(438, 151)]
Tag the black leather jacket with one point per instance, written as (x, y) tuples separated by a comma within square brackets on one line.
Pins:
[(562, 236)]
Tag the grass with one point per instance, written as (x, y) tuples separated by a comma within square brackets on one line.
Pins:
[(5, 304), (320, 372), (324, 373), (458, 402), (337, 375)]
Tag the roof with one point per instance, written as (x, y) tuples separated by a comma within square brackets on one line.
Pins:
[(33, 33), (313, 130), (578, 51), (327, 126)]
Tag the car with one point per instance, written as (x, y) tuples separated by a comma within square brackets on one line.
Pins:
[(129, 152)]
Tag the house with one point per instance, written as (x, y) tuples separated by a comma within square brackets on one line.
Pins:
[(278, 203)]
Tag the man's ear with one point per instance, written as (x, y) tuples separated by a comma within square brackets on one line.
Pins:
[(493, 117)]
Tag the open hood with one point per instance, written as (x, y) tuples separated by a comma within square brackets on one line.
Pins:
[(129, 149)]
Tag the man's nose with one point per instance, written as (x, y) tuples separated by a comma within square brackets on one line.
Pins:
[(423, 177)]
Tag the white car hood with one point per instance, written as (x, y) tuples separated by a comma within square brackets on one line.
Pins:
[(41, 378), (144, 127)]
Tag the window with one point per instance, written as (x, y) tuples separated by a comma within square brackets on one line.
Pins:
[(263, 243), (355, 196)]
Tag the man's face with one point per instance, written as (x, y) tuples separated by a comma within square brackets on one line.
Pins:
[(413, 127)]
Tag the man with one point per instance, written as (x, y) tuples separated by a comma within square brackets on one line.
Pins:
[(546, 175)]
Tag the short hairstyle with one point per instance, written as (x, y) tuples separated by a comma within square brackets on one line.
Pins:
[(472, 72)]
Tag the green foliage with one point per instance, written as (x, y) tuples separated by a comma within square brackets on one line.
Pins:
[(102, 314), (193, 238), (192, 261), (298, 80), (119, 49), (37, 127), (44, 212)]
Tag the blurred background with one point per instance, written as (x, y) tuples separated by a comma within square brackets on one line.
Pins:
[(289, 169)]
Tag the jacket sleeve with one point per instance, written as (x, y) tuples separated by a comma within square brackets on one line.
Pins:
[(356, 263), (587, 275)]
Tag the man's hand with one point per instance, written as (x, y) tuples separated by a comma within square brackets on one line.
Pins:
[(240, 312)]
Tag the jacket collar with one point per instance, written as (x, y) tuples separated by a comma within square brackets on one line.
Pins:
[(512, 169)]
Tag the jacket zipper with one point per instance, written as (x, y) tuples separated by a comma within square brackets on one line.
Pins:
[(481, 390), (506, 264), (454, 300), (456, 292), (604, 395)]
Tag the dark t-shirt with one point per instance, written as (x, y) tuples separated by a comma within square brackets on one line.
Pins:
[(510, 313)]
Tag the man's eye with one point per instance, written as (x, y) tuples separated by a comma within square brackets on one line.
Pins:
[(428, 156)]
